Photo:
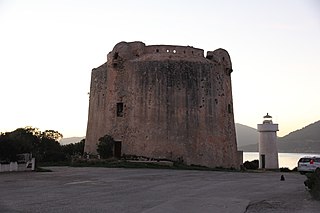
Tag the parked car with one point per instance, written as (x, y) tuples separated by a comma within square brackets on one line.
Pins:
[(308, 164)]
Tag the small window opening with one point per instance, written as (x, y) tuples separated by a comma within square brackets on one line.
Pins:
[(192, 52), (120, 109), (184, 51), (157, 50), (168, 51), (174, 51), (229, 108)]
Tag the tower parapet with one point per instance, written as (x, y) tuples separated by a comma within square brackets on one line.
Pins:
[(186, 51)]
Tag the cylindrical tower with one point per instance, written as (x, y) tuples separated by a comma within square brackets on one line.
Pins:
[(164, 102), (268, 151)]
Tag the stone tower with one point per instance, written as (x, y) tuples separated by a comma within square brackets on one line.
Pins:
[(268, 151), (166, 102)]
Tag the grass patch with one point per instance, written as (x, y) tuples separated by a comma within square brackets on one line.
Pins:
[(39, 169), (57, 163), (146, 165)]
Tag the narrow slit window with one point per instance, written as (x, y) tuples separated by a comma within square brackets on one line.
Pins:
[(229, 108), (120, 109)]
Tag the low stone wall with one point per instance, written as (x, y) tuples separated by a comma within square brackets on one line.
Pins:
[(18, 167)]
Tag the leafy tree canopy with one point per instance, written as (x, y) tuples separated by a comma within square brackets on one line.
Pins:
[(29, 140), (105, 146), (74, 148), (43, 145), (55, 135)]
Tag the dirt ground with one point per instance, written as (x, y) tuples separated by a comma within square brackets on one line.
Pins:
[(68, 189)]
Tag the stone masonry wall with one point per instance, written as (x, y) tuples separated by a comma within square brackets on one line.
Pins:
[(174, 103)]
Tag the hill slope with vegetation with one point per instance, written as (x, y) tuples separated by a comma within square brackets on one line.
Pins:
[(246, 135), (305, 140)]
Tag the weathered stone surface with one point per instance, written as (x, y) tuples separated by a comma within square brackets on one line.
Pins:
[(165, 101)]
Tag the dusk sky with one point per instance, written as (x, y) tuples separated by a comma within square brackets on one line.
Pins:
[(48, 49)]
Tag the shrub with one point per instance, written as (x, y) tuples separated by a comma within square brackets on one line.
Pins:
[(285, 169), (313, 184), (105, 146), (251, 164)]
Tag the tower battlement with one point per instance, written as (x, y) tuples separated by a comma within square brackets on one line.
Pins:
[(186, 51)]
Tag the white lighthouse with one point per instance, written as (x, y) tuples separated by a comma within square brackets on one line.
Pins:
[(268, 151)]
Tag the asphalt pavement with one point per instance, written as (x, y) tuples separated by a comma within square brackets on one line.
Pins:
[(69, 189)]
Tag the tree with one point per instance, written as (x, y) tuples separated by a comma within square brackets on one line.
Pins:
[(43, 145), (74, 148), (50, 150), (21, 140), (7, 151), (79, 147), (105, 146), (55, 135), (251, 164)]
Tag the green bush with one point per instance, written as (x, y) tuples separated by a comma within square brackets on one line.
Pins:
[(285, 169), (313, 184), (251, 164), (105, 146)]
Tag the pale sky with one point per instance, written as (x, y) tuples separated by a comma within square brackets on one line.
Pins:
[(48, 49)]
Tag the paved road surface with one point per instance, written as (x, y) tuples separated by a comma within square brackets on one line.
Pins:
[(150, 190)]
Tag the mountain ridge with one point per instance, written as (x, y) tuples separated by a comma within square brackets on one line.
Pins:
[(65, 141), (304, 140)]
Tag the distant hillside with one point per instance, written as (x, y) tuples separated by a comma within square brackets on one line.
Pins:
[(305, 140), (246, 135), (249, 148), (65, 141), (310, 132)]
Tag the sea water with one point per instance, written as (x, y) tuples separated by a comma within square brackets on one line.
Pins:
[(289, 160)]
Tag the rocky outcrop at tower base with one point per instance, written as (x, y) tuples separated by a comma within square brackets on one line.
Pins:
[(165, 101)]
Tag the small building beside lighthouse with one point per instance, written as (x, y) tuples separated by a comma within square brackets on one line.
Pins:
[(268, 151)]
